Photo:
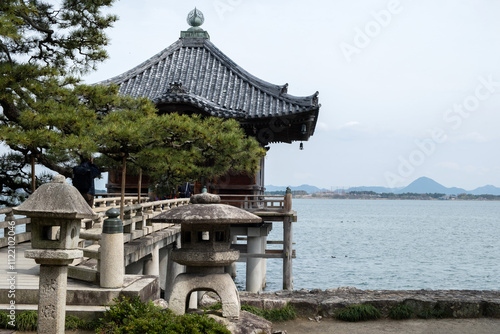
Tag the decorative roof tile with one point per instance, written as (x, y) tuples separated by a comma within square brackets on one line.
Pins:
[(208, 79)]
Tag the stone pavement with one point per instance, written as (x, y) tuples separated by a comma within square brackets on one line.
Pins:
[(451, 303), (420, 326), (442, 326)]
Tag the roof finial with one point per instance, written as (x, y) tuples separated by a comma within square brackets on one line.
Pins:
[(195, 18)]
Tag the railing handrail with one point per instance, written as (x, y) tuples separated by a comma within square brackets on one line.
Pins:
[(231, 195), (5, 210), (275, 203), (136, 222), (136, 214), (119, 195)]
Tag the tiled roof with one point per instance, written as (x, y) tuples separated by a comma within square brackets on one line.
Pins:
[(194, 71)]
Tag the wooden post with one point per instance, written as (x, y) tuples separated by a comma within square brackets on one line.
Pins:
[(124, 184), (287, 242), (287, 202), (139, 187), (254, 264), (287, 253), (33, 176)]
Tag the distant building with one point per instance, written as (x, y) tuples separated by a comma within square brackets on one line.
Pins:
[(299, 193), (192, 76)]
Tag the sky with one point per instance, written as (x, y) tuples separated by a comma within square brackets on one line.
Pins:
[(407, 88)]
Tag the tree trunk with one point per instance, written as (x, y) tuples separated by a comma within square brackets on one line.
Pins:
[(139, 186), (33, 176), (124, 177)]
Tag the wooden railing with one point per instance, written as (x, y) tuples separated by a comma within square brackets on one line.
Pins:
[(11, 223), (134, 222), (105, 203), (137, 214), (135, 219), (255, 202)]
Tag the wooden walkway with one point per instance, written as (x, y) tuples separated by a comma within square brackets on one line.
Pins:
[(25, 270)]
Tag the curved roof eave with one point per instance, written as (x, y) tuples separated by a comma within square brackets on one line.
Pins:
[(277, 91), (214, 109)]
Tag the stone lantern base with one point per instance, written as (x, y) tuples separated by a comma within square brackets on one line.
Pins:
[(53, 285), (221, 284)]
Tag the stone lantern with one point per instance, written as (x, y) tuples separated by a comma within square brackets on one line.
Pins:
[(205, 251), (56, 210)]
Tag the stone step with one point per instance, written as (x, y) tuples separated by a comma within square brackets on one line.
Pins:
[(83, 293), (83, 273), (80, 311)]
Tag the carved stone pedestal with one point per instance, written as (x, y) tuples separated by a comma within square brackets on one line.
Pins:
[(53, 283)]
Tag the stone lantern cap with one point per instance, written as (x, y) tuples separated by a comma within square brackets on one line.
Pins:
[(56, 199), (206, 208)]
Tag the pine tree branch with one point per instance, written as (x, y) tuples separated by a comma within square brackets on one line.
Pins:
[(6, 50), (10, 110), (32, 23), (52, 165)]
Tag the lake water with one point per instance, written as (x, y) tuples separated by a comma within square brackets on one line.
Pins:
[(375, 244)]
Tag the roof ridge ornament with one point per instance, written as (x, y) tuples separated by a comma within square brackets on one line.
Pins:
[(176, 87), (195, 19), (284, 89), (315, 99)]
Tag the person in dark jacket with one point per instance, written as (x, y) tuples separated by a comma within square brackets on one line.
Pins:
[(83, 179)]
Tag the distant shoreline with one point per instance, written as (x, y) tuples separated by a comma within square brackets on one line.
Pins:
[(396, 199), (370, 195)]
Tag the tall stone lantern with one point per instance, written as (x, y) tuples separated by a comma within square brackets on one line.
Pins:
[(56, 210), (205, 250)]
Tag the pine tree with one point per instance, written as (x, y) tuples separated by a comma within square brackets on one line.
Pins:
[(43, 46), (49, 116), (15, 179)]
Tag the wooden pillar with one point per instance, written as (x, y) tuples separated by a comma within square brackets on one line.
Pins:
[(173, 269), (264, 262), (163, 253), (287, 253), (152, 265), (254, 264), (231, 269), (287, 242), (287, 201)]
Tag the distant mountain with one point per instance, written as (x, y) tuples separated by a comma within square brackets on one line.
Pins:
[(310, 189), (379, 190), (425, 185), (422, 185), (489, 189)]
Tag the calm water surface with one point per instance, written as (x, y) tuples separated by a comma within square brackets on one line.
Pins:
[(375, 244)]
